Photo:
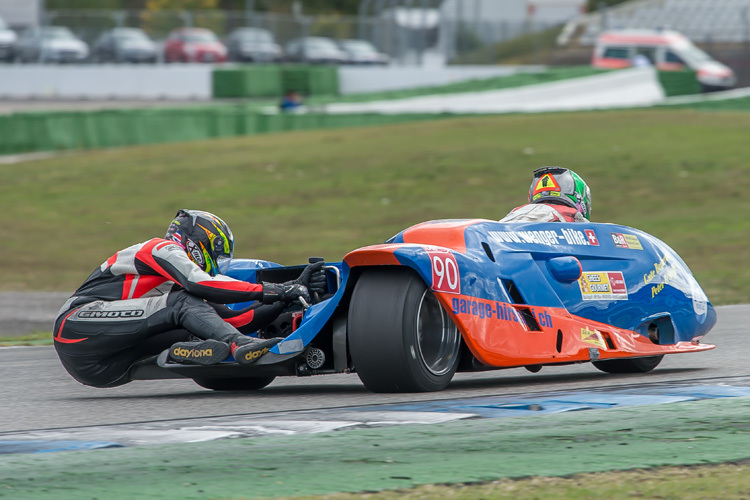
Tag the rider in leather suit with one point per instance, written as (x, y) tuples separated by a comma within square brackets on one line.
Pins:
[(167, 293), (556, 195)]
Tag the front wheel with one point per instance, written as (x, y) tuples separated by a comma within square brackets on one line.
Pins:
[(234, 384), (635, 365), (400, 338)]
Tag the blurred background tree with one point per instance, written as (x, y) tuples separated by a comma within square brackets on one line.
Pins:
[(91, 4), (593, 5), (181, 4), (158, 16), (346, 7)]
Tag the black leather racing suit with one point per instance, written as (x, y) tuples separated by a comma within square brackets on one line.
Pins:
[(142, 300)]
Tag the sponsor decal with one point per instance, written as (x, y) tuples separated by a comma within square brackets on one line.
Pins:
[(195, 253), (591, 235), (622, 240), (496, 311), (603, 285), (550, 237), (662, 270), (549, 193), (445, 275), (700, 301), (250, 355), (593, 337), (192, 353), (131, 313)]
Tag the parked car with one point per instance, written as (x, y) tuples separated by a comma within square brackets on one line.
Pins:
[(362, 52), (8, 40), (124, 45), (252, 44), (314, 49), (50, 44), (666, 50), (194, 45)]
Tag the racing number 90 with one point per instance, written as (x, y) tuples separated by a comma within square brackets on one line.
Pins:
[(445, 277)]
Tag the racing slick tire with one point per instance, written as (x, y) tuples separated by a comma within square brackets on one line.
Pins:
[(635, 365), (234, 384), (400, 338)]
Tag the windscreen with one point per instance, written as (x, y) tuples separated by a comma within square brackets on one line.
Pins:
[(256, 36), (200, 36), (57, 33), (321, 45), (359, 47), (128, 35), (693, 55)]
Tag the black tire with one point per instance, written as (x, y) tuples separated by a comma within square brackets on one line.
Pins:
[(400, 337), (234, 384), (635, 365)]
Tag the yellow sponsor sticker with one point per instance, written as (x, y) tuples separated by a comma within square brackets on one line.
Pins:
[(593, 337)]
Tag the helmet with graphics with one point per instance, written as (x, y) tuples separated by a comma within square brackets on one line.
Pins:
[(561, 186), (206, 238)]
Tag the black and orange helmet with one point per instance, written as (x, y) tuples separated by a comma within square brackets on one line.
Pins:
[(206, 238)]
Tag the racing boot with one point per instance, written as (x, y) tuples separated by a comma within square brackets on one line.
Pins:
[(247, 350), (203, 352)]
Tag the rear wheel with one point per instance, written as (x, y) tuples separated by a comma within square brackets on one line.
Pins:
[(400, 337), (234, 384), (635, 365)]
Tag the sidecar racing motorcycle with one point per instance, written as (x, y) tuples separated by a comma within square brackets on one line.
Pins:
[(467, 295)]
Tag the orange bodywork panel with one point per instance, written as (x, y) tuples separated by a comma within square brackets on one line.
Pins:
[(446, 234), (498, 336), (374, 255)]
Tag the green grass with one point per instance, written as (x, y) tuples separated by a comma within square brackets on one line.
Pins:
[(741, 104), (35, 338), (681, 175), (704, 482)]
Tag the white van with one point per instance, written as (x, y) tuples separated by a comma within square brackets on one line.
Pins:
[(667, 50)]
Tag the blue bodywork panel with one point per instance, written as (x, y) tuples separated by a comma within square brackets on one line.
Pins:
[(629, 277), (607, 273)]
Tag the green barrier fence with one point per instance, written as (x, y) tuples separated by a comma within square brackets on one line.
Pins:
[(275, 80), (247, 81), (30, 132), (311, 80)]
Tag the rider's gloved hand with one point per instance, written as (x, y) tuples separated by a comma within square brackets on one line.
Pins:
[(285, 292), (314, 278)]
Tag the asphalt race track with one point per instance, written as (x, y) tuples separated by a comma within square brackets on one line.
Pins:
[(39, 394)]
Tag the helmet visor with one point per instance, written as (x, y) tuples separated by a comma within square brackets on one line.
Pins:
[(223, 262)]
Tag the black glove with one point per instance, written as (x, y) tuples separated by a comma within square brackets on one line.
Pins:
[(313, 278), (286, 292)]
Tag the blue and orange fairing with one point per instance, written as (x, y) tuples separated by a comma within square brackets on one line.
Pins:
[(539, 293)]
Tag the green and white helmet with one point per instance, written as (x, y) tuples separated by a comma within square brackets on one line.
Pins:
[(562, 186)]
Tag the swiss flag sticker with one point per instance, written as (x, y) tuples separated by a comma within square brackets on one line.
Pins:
[(591, 235)]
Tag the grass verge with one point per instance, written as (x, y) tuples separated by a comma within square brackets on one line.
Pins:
[(681, 175), (35, 338), (700, 482)]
